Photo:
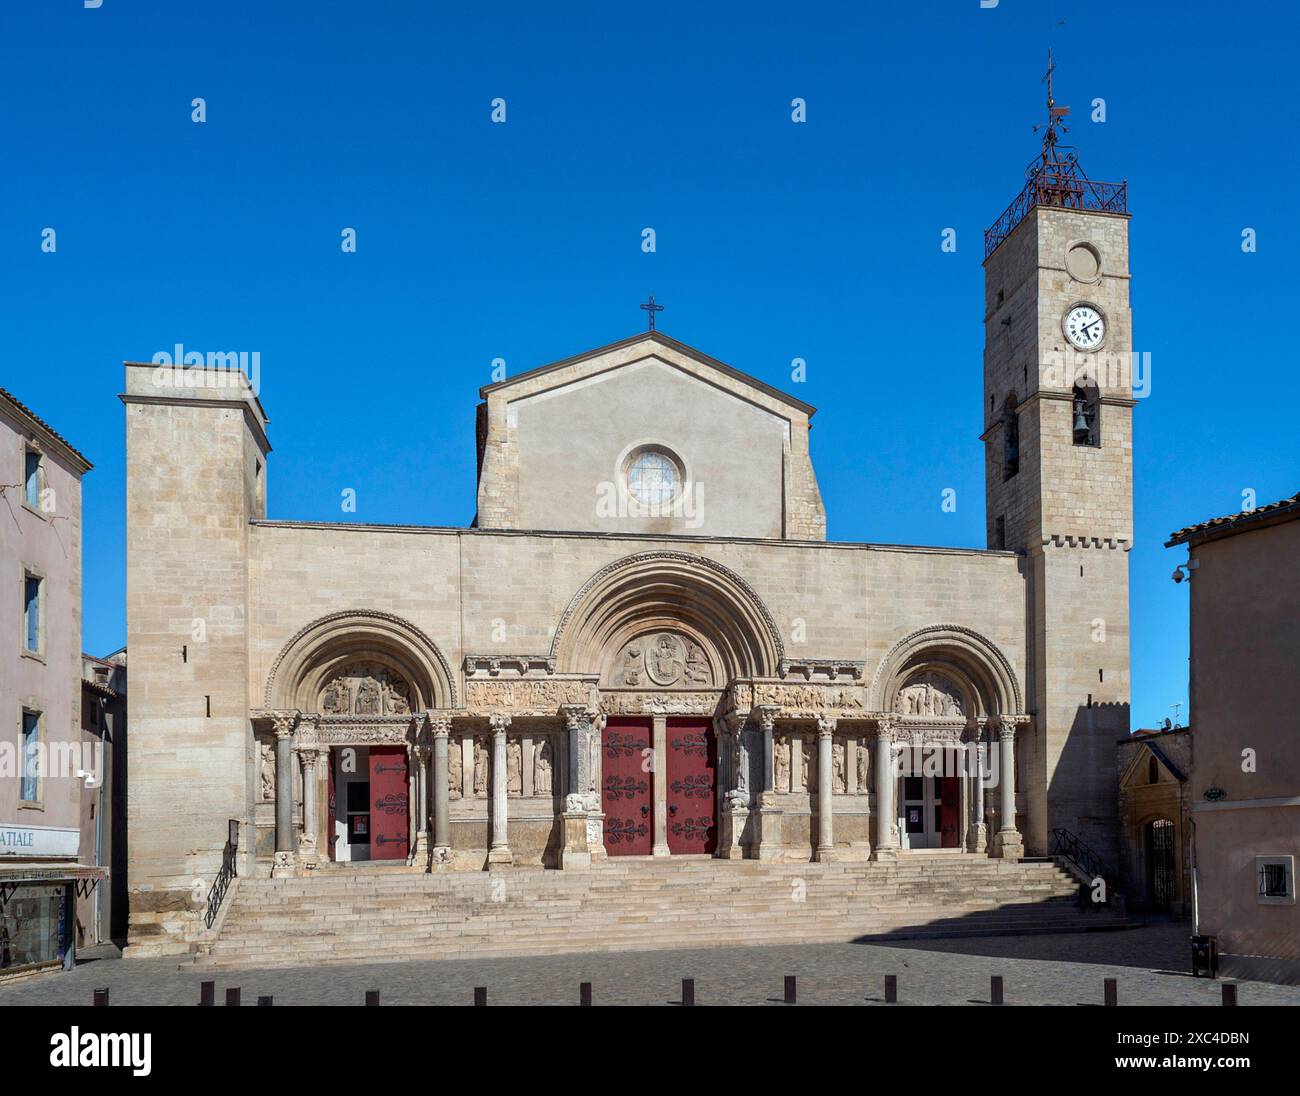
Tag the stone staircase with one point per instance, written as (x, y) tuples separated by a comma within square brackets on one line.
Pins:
[(383, 914)]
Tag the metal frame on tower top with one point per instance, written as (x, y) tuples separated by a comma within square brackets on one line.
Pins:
[(1055, 178)]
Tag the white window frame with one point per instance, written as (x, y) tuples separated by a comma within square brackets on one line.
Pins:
[(30, 447), (38, 652), (1288, 864), (24, 710)]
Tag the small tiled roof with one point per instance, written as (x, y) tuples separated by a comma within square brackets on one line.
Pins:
[(1235, 522), (27, 412)]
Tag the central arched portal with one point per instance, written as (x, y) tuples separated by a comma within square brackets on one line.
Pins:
[(667, 632)]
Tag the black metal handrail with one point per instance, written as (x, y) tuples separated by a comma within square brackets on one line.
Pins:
[(217, 893), (1070, 846)]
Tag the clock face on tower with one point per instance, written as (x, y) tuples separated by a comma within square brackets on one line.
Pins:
[(1084, 327)]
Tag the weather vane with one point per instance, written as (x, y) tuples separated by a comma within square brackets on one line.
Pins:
[(1055, 115)]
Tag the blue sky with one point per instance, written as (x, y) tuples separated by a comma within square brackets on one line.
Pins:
[(522, 241)]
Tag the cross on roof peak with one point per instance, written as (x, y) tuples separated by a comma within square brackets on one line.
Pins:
[(651, 308)]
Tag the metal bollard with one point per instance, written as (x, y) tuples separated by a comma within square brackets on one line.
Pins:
[(1229, 993), (584, 994), (891, 989), (480, 995), (995, 989), (207, 994), (232, 996), (790, 995), (101, 997), (688, 991), (372, 997), (1112, 993)]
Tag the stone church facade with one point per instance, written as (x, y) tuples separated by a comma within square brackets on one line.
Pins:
[(644, 645)]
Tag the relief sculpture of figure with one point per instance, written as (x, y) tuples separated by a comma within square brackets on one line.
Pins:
[(781, 763), (837, 767), (697, 666), (864, 756), (368, 698), (399, 697), (334, 700), (514, 767), (632, 664), (267, 752), (808, 757), (455, 765), (542, 767), (480, 766)]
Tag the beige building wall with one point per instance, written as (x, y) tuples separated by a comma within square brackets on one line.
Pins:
[(1245, 689), (741, 447), (44, 540), (195, 459)]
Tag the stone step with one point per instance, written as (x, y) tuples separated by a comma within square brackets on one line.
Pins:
[(340, 915)]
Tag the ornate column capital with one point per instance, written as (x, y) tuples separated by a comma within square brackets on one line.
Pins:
[(765, 715), (1006, 731), (576, 716), (885, 730), (440, 725), (499, 723), (284, 722), (825, 726)]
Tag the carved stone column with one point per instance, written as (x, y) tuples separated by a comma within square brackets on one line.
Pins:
[(825, 788), (307, 758), (735, 811), (659, 786), (977, 835), (722, 732), (886, 782), (581, 804), (1007, 844), (499, 854), (284, 843), (421, 755), (771, 818), (442, 855)]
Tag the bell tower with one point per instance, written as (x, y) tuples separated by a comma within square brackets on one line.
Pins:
[(1058, 400)]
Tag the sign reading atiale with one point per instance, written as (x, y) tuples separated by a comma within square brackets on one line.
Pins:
[(17, 840)]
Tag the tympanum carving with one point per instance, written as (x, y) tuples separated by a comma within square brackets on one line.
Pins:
[(365, 689), (930, 695), (664, 660)]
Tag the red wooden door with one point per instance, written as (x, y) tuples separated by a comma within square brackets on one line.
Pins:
[(627, 786), (390, 833), (949, 811), (692, 797)]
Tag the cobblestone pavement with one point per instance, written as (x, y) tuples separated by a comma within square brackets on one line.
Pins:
[(1150, 964)]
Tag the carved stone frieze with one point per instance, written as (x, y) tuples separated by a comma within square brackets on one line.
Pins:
[(666, 703), (541, 696), (803, 700)]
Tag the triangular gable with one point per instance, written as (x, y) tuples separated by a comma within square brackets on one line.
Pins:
[(1135, 773), (593, 362)]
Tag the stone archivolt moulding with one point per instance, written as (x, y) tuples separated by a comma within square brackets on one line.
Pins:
[(306, 662), (964, 656), (670, 592)]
